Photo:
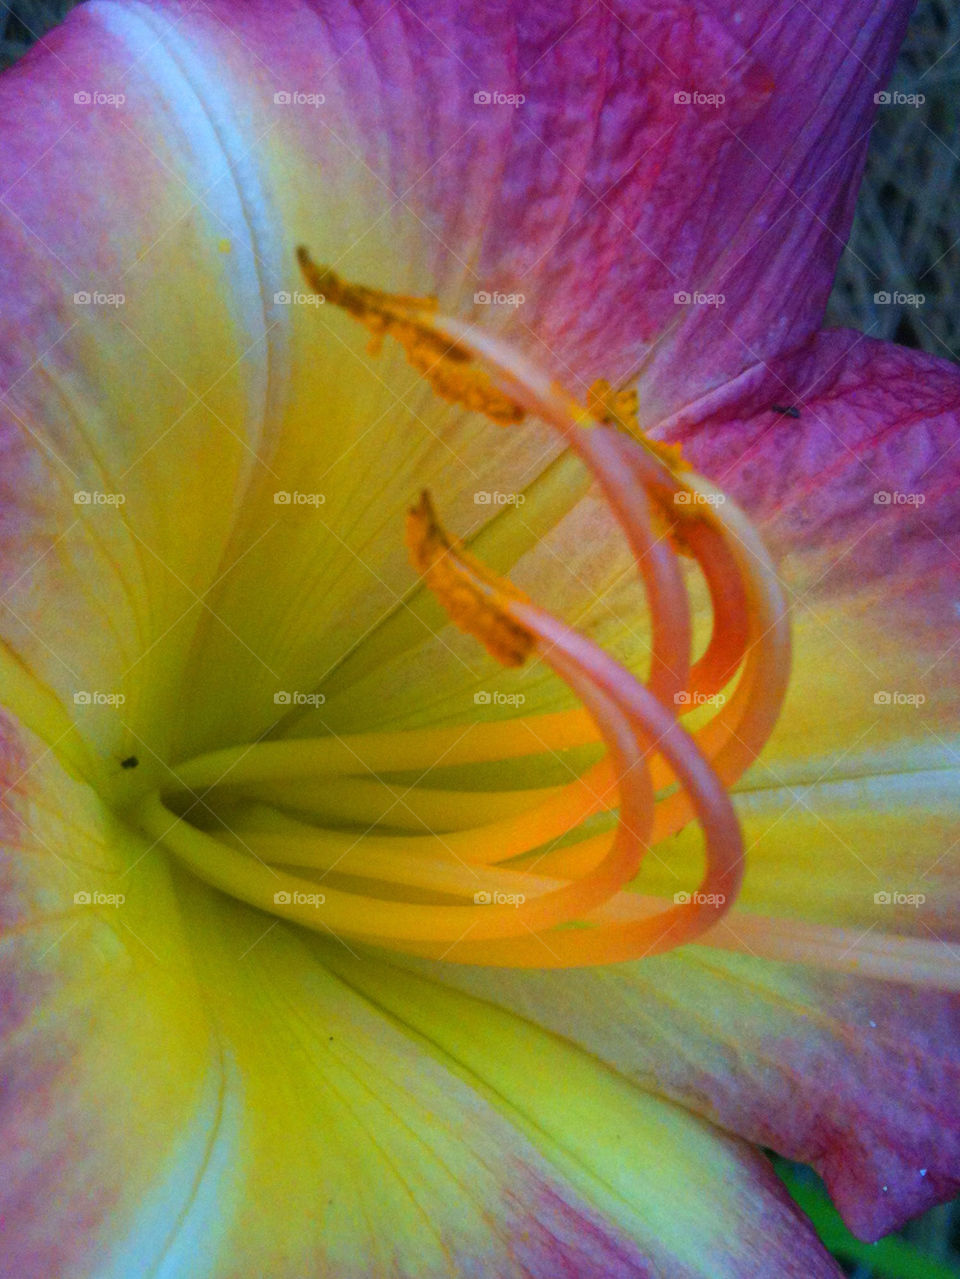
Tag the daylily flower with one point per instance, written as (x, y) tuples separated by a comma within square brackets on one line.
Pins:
[(337, 338)]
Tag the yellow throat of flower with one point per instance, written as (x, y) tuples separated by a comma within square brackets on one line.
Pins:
[(516, 878)]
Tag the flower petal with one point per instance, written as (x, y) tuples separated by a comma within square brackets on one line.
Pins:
[(859, 1078), (850, 799), (599, 171), (537, 201), (112, 1075), (141, 367), (401, 177), (702, 1206), (190, 1089), (855, 795)]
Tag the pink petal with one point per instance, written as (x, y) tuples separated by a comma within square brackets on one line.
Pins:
[(595, 175), (851, 798)]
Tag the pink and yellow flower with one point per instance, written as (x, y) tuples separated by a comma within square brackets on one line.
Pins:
[(334, 942)]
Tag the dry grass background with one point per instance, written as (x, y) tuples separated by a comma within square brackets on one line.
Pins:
[(905, 239), (906, 234)]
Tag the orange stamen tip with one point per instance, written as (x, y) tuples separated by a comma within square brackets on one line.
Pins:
[(670, 454), (618, 407), (474, 598), (613, 407), (448, 366)]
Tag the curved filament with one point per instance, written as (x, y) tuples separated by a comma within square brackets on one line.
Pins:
[(277, 814)]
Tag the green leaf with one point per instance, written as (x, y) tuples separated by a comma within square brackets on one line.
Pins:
[(890, 1258)]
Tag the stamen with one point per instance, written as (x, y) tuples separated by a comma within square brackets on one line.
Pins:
[(473, 597), (400, 923), (449, 368), (620, 408), (596, 677), (613, 407), (572, 905), (371, 753)]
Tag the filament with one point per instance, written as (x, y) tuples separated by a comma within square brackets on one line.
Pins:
[(426, 870)]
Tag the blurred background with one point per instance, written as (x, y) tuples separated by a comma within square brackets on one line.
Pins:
[(899, 278), (906, 235)]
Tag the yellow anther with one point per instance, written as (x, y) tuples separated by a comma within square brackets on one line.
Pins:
[(448, 366), (618, 408), (471, 595), (613, 407)]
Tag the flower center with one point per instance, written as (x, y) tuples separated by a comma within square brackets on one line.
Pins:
[(542, 878)]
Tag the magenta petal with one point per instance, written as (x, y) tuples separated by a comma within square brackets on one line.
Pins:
[(599, 174)]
